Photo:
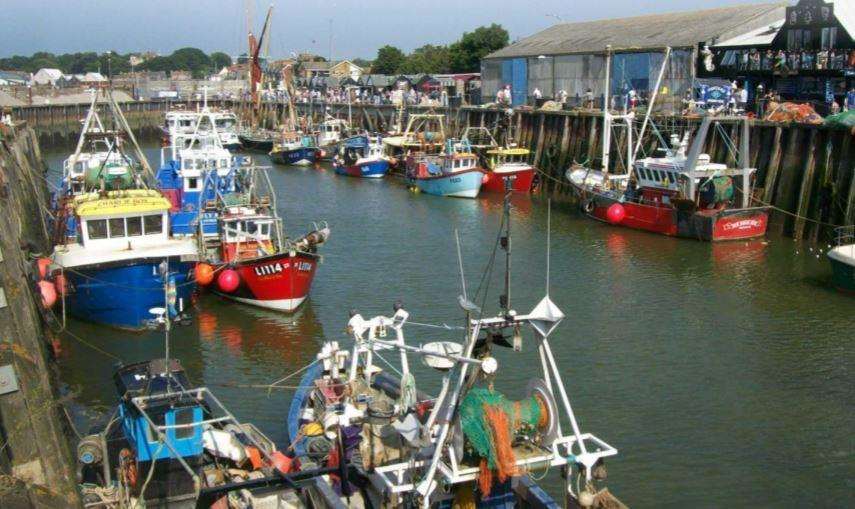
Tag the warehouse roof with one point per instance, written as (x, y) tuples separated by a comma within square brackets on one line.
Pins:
[(678, 30)]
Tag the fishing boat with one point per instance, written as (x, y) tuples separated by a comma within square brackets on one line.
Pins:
[(508, 168), (224, 123), (294, 148), (258, 139), (173, 444), (842, 258), (228, 203), (99, 158), (330, 134), (361, 156), (114, 265), (681, 193), (112, 244), (453, 173), (425, 132), (468, 446)]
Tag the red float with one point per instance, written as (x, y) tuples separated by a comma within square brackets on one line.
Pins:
[(43, 264), (616, 213), (228, 280), (48, 293)]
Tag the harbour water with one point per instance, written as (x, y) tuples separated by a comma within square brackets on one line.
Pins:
[(722, 373)]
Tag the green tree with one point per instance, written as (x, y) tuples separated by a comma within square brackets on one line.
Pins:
[(220, 60), (428, 59), (389, 60), (362, 62), (466, 54)]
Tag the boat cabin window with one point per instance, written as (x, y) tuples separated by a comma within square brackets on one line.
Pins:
[(117, 227), (159, 419), (185, 416), (191, 184), (224, 163), (134, 226), (153, 224), (97, 228)]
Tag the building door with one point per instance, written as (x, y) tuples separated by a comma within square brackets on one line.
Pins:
[(519, 82)]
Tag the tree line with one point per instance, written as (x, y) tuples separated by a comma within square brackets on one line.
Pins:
[(461, 56), (194, 60)]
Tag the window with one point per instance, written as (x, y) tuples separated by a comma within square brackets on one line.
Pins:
[(159, 420), (97, 228), (265, 229), (799, 39), (193, 184), (153, 224), (829, 38), (117, 227), (134, 226), (184, 416), (251, 227)]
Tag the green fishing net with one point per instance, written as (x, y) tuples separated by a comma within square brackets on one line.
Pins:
[(474, 419)]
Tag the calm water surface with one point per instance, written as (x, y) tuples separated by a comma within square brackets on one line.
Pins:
[(722, 373)]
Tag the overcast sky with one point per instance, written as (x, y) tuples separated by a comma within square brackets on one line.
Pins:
[(359, 26)]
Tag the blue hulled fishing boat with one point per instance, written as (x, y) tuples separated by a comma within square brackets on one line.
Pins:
[(295, 149), (114, 259), (361, 156), (453, 173), (116, 265)]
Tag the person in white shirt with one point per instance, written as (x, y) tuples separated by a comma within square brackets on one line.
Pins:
[(537, 94)]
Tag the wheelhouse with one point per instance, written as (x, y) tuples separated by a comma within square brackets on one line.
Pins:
[(246, 233), (122, 220)]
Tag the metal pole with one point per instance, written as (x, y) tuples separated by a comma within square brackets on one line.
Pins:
[(607, 124)]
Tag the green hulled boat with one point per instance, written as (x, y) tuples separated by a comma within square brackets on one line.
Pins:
[(842, 259)]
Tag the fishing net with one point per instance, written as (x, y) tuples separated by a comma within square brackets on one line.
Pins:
[(717, 190), (489, 421)]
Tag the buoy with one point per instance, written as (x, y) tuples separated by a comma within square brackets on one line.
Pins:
[(281, 462), (48, 293), (61, 284), (43, 264), (204, 274), (616, 213), (228, 280)]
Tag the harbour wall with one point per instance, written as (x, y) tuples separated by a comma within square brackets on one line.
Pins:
[(804, 172), (36, 465)]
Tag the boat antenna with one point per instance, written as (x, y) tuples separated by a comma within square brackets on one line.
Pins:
[(548, 240), (505, 241)]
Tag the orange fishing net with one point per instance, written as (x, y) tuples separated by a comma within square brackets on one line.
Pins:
[(500, 429)]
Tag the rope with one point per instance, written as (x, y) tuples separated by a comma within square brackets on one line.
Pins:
[(444, 326)]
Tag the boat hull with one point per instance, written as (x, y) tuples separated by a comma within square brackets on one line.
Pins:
[(278, 282), (706, 225), (464, 184), (370, 169), (522, 180), (843, 267), (121, 294), (253, 144), (303, 156)]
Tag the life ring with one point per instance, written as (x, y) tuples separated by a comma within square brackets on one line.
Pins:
[(588, 206)]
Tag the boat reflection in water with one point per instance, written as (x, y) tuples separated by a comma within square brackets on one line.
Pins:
[(248, 331)]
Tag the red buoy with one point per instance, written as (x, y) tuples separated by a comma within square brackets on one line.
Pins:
[(281, 462), (228, 280), (48, 293), (204, 274), (616, 213)]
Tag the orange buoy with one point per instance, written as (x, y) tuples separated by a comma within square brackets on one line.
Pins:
[(228, 280), (254, 456), (43, 264), (282, 463), (48, 293), (204, 274)]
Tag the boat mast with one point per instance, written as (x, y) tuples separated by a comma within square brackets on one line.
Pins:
[(607, 120), (505, 299)]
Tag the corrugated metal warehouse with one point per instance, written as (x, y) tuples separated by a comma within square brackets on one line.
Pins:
[(571, 56)]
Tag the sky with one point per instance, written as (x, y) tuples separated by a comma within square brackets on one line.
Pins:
[(359, 27)]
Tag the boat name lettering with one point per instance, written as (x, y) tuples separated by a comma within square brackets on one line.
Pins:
[(744, 224), (304, 266)]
